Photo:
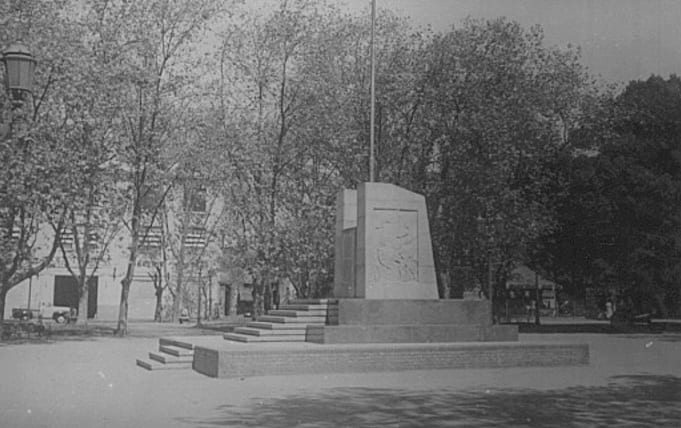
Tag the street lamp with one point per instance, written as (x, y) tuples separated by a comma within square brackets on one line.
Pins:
[(19, 70)]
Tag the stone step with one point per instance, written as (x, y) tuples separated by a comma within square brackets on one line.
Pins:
[(275, 326), (288, 313), (238, 337), (176, 342), (308, 307), (175, 350), (292, 320), (265, 332), (155, 365), (170, 359), (314, 302)]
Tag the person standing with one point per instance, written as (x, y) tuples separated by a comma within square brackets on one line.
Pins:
[(609, 311)]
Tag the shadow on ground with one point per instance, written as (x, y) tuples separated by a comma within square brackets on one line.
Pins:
[(628, 401)]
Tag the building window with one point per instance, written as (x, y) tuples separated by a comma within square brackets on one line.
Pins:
[(196, 238), (197, 199), (154, 238), (66, 240), (151, 201)]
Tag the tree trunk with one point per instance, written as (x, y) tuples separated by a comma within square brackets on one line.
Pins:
[(662, 306), (159, 304), (211, 313), (122, 328), (441, 287), (83, 303), (537, 295), (3, 296), (233, 297), (198, 312), (258, 299), (267, 297), (179, 294)]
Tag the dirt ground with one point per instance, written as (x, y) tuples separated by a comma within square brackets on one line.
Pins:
[(632, 380)]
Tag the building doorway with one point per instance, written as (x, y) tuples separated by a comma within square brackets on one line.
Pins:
[(66, 293)]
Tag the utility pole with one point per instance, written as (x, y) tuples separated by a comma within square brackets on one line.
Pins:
[(198, 314), (490, 279), (372, 113)]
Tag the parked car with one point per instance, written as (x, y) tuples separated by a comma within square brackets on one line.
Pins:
[(61, 314), (25, 314)]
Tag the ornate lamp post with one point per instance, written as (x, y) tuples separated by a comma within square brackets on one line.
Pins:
[(19, 70), (19, 67)]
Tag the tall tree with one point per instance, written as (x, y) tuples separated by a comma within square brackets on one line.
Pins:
[(34, 187), (265, 63), (297, 78), (620, 222), (89, 127), (498, 105), (195, 215), (151, 43)]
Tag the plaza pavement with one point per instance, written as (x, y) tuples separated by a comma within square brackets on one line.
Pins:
[(633, 380)]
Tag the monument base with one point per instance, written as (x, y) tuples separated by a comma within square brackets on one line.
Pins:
[(361, 335), (411, 321)]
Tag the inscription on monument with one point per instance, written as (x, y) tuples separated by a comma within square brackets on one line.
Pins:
[(396, 257)]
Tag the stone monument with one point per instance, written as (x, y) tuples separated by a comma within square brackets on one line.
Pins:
[(386, 308), (383, 247), (385, 279)]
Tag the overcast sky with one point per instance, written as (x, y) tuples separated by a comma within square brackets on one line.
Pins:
[(621, 40)]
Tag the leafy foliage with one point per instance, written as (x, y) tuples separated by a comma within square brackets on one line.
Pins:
[(520, 157), (620, 221)]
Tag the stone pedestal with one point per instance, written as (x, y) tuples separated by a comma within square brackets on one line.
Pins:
[(385, 277), (383, 246)]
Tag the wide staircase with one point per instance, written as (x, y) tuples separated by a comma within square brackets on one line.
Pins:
[(298, 321), (289, 323)]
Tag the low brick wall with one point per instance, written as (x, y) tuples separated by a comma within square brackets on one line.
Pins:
[(261, 361)]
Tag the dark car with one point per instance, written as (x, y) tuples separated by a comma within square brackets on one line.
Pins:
[(25, 314)]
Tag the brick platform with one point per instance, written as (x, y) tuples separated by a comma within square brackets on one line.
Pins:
[(229, 360)]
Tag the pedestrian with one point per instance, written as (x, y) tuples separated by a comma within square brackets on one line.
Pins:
[(184, 315), (531, 310)]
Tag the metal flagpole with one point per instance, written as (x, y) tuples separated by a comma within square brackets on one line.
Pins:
[(373, 95)]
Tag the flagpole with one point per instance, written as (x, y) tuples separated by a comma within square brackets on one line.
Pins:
[(373, 95)]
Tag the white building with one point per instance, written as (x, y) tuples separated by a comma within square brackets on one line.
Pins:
[(56, 286)]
